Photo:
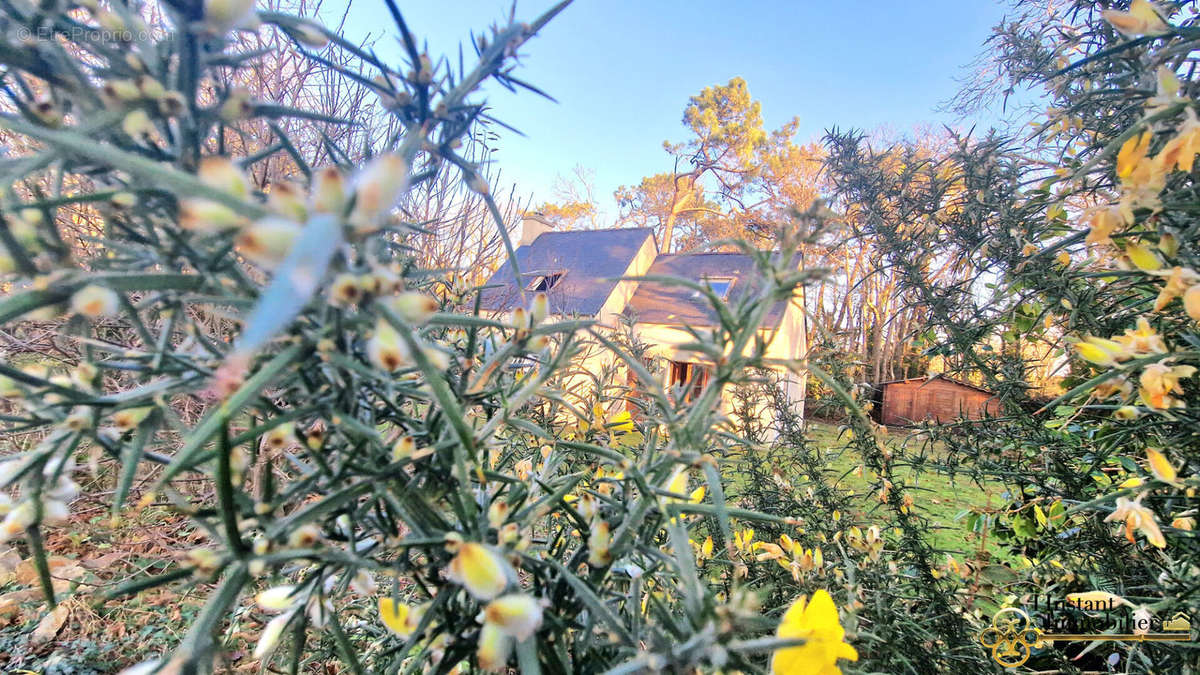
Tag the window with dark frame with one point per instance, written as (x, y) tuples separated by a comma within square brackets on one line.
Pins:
[(719, 285), (692, 377), (544, 282)]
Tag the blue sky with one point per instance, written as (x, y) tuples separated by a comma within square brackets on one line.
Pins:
[(622, 71)]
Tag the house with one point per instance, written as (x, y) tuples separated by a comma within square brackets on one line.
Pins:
[(584, 273), (934, 397)]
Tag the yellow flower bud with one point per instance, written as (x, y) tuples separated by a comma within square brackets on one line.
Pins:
[(48, 112), (498, 513), (305, 536), (1191, 302), (494, 648), (599, 542), (131, 418), (1096, 599), (1141, 19), (539, 309), (280, 437), (413, 306), (288, 201), (151, 88), (121, 90), (1143, 257), (1131, 483), (346, 289), (203, 215), (377, 188), (386, 349), (137, 124), (172, 104), (17, 520), (270, 635), (400, 618), (204, 559), (517, 615), (123, 200), (95, 301), (480, 570), (276, 599), (221, 173), (1095, 354), (267, 242), (1168, 244), (329, 191), (403, 448), (1161, 467)]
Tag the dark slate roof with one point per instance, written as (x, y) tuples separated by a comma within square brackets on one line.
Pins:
[(670, 304), (594, 260)]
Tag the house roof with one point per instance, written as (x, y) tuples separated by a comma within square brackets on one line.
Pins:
[(925, 378), (669, 304), (593, 261)]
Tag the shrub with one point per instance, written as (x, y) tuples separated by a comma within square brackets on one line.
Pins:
[(392, 476)]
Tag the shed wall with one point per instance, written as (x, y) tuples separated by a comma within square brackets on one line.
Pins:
[(939, 400)]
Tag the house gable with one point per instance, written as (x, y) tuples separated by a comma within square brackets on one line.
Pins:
[(675, 305), (585, 266)]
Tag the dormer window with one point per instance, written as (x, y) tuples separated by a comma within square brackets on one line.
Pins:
[(719, 285), (544, 282)]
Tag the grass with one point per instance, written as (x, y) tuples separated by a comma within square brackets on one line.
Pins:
[(945, 502)]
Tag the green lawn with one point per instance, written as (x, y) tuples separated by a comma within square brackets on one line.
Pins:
[(943, 501)]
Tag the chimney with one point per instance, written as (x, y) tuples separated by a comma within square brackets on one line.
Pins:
[(532, 226)]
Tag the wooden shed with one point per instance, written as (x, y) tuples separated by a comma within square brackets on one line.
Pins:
[(943, 399)]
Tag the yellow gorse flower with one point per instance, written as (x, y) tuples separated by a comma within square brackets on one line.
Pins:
[(494, 648), (386, 349), (1142, 341), (1143, 257), (1132, 152), (400, 618), (480, 570), (1101, 224), (1158, 381), (1096, 599), (517, 615), (95, 301), (816, 622), (1141, 19), (1137, 517), (1179, 279), (1161, 467)]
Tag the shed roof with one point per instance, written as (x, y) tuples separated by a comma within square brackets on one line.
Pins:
[(592, 262), (925, 378), (671, 304)]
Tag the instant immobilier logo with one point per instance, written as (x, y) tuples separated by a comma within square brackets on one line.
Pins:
[(1014, 635)]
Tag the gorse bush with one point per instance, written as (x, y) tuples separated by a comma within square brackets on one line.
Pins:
[(397, 481), (390, 479), (1076, 245)]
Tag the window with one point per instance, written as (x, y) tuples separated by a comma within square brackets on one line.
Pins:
[(719, 285), (544, 282), (689, 377)]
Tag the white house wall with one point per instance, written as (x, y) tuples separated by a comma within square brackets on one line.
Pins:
[(624, 290)]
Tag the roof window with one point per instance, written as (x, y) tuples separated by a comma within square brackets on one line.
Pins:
[(544, 282)]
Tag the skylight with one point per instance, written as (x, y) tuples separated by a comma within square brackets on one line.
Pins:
[(544, 282), (719, 285)]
